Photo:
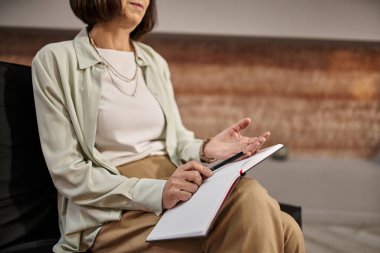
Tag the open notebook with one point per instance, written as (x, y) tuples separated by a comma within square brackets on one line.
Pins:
[(194, 217)]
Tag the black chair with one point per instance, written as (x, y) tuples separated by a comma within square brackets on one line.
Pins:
[(28, 212)]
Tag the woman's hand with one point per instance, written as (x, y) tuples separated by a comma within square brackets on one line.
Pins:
[(230, 141), (184, 182)]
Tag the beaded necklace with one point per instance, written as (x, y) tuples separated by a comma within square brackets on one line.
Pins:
[(112, 71)]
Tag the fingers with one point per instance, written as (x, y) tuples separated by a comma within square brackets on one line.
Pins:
[(192, 176), (197, 167), (266, 134), (240, 125), (251, 149), (184, 182), (172, 195), (189, 187), (184, 196), (255, 144)]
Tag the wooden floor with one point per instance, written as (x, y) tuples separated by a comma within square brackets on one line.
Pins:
[(323, 238)]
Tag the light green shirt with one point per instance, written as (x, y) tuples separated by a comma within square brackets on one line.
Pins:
[(91, 191)]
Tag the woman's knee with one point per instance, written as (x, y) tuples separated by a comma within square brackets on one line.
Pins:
[(249, 189), (293, 237)]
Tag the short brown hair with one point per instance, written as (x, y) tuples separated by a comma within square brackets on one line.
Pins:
[(92, 12)]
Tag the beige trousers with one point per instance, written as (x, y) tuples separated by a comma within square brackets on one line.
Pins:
[(249, 221)]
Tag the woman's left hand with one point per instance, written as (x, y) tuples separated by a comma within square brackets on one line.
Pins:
[(230, 141)]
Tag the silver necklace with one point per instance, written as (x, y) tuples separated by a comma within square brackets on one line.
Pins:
[(112, 70)]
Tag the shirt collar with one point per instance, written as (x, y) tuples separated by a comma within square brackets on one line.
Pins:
[(88, 57)]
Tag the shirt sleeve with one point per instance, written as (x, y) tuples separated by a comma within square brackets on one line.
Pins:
[(75, 174), (188, 146)]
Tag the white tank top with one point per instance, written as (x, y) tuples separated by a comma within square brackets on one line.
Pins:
[(131, 123)]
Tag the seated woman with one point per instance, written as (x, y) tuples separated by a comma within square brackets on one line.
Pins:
[(119, 154)]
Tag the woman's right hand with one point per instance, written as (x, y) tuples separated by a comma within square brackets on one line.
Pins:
[(184, 182)]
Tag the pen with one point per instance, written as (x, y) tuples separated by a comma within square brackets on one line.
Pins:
[(228, 160)]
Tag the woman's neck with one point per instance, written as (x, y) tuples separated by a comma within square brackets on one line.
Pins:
[(105, 35)]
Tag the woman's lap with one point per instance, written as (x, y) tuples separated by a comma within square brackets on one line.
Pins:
[(248, 203)]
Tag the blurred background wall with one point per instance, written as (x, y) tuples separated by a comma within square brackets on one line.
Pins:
[(308, 71), (317, 19)]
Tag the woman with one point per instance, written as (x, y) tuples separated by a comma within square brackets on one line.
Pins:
[(118, 153)]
